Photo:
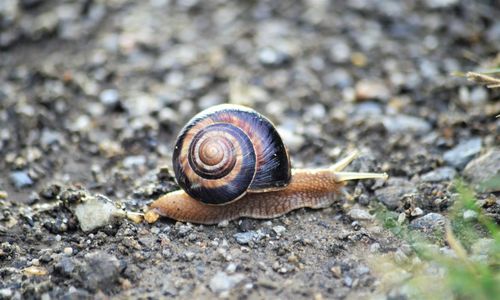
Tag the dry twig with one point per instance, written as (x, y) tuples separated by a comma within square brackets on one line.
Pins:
[(489, 81)]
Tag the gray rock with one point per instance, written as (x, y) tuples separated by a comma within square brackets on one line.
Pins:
[(50, 191), (340, 52), (65, 266), (417, 212), (440, 3), (362, 270), (168, 286), (279, 229), (405, 124), (272, 57), (101, 271), (368, 109), (359, 214), (223, 224), (375, 247), (140, 105), (95, 212), (372, 89), (21, 179), (50, 137), (469, 215), (429, 223), (222, 282), (478, 96), (316, 111), (483, 169), (184, 230), (439, 174), (244, 238), (348, 281), (338, 78), (6, 293), (134, 160), (74, 293), (148, 240), (483, 247), (231, 268), (400, 256), (109, 97), (391, 195), (189, 255), (460, 155)]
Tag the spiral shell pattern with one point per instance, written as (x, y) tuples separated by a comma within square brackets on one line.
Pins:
[(229, 150)]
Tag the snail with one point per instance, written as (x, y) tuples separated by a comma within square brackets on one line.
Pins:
[(231, 162)]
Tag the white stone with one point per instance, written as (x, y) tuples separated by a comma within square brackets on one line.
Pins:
[(94, 213)]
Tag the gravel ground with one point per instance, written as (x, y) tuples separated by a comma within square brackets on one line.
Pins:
[(93, 94)]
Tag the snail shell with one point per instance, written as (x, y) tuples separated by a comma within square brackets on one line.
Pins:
[(227, 151)]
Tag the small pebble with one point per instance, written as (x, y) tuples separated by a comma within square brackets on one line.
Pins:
[(243, 238), (223, 224), (131, 161), (371, 90), (272, 58), (94, 213), (375, 247), (21, 179), (231, 268), (109, 97), (470, 215), (461, 154), (392, 195), (400, 256), (483, 169), (336, 271), (50, 137), (279, 229), (65, 266), (417, 212), (348, 281), (359, 214), (100, 271), (483, 246), (368, 109), (406, 124), (439, 174), (222, 282), (6, 293), (189, 255), (429, 223), (68, 251), (401, 218)]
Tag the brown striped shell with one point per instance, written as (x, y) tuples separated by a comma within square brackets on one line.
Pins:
[(229, 150)]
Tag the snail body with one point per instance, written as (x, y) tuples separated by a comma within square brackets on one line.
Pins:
[(230, 163)]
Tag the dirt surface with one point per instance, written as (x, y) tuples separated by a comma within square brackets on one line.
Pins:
[(93, 94)]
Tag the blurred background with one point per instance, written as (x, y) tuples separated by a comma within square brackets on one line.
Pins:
[(94, 92)]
